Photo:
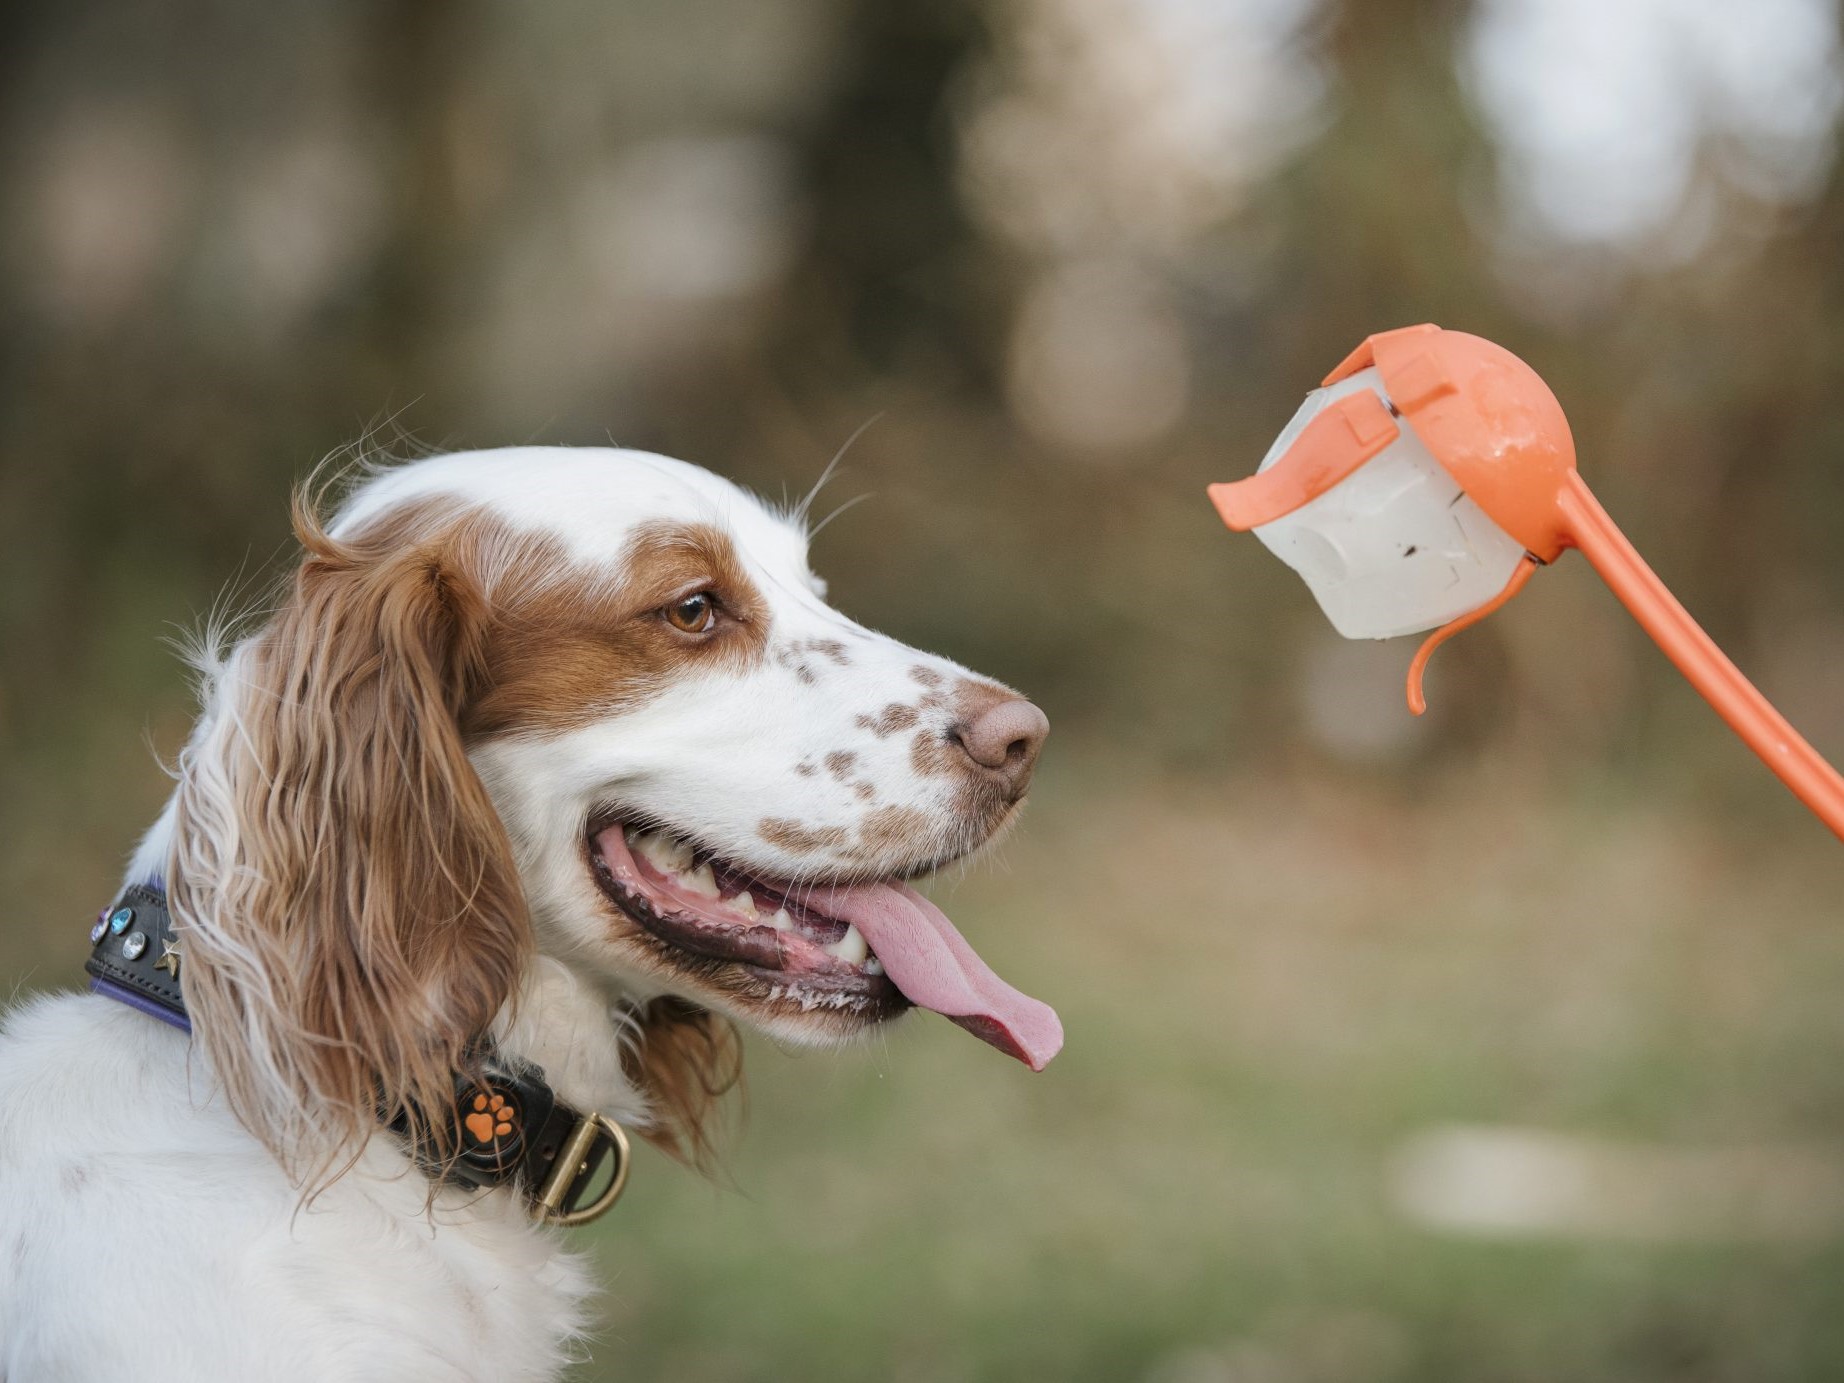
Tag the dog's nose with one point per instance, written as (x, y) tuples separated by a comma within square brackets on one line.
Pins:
[(1005, 738)]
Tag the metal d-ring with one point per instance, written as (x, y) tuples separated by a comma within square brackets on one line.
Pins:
[(572, 1163)]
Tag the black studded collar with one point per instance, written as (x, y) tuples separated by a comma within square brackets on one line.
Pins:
[(511, 1127)]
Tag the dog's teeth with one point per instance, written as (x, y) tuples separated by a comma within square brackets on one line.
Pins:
[(780, 920), (745, 902), (873, 966), (700, 881), (850, 948), (679, 856)]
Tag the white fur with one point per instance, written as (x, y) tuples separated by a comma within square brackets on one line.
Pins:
[(145, 1235)]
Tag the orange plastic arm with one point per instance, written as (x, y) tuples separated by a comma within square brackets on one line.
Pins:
[(1418, 701), (1343, 437), (1762, 728)]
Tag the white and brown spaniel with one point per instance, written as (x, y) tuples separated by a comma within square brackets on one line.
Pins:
[(558, 754)]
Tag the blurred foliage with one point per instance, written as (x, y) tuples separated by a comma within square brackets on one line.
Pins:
[(240, 239)]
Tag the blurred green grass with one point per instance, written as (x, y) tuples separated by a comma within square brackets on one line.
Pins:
[(1268, 987)]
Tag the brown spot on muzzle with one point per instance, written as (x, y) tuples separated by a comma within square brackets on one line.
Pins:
[(840, 763), (900, 832), (932, 753), (893, 718), (788, 835), (888, 838)]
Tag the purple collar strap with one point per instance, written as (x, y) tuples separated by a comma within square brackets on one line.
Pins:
[(135, 999), (135, 958)]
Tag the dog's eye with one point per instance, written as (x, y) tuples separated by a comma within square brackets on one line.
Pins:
[(693, 614)]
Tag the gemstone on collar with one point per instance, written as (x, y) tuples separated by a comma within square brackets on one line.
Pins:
[(134, 944), (120, 922), (99, 929)]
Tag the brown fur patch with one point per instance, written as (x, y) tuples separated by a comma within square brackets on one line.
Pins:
[(685, 1060), (840, 763), (795, 652), (791, 835), (932, 753), (366, 923), (896, 831), (565, 652), (893, 718)]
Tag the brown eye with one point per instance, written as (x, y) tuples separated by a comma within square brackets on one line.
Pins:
[(693, 614)]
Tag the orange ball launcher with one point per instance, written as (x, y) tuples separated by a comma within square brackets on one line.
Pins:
[(1425, 482)]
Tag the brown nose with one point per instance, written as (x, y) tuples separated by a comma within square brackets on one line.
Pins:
[(1005, 738)]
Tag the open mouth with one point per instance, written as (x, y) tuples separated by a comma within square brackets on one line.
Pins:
[(691, 900), (869, 950)]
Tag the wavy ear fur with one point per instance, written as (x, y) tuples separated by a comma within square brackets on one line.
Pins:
[(684, 1059), (344, 892)]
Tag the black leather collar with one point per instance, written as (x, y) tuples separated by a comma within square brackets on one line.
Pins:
[(510, 1124)]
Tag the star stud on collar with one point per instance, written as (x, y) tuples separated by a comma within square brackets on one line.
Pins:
[(169, 958)]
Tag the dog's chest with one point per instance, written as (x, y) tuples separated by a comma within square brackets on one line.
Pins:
[(478, 1294), (153, 1239)]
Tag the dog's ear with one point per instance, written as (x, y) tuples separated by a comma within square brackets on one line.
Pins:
[(344, 893), (684, 1059)]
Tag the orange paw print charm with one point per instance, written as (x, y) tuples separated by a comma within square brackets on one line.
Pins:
[(491, 1118)]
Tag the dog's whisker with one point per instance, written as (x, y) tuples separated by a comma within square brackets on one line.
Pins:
[(849, 504), (805, 506)]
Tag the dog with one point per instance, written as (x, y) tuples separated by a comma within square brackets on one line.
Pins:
[(547, 767)]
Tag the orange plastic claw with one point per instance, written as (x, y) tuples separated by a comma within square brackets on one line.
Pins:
[(1343, 437), (1366, 354), (1417, 701)]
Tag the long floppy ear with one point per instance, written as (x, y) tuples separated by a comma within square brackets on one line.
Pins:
[(684, 1059), (343, 891)]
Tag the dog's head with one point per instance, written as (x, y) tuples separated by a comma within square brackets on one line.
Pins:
[(591, 704)]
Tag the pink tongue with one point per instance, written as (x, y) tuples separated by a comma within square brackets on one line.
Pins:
[(936, 969)]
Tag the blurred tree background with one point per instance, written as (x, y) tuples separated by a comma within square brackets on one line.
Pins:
[(1501, 1045)]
